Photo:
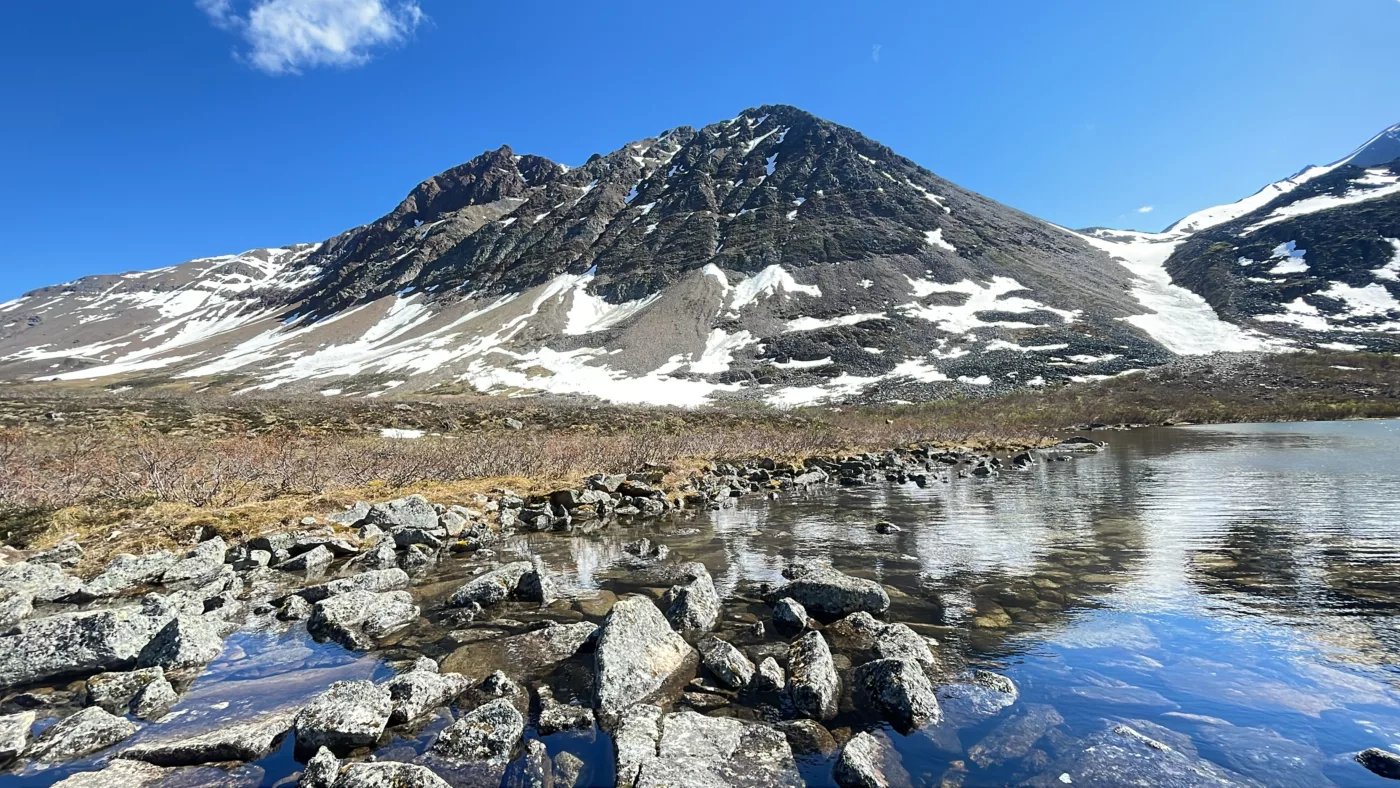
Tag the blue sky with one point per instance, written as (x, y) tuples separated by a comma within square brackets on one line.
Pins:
[(140, 134)]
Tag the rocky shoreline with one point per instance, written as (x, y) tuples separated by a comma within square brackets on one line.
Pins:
[(691, 687)]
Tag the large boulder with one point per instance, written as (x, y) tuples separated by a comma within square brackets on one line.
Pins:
[(812, 683), (492, 588), (687, 748), (14, 735), (896, 690), (825, 592), (357, 619), (185, 642), (42, 582), (378, 580), (727, 662), (487, 734), (868, 761), (126, 571), (86, 732), (244, 741), (76, 643), (349, 714), (413, 511), (693, 607), (388, 774), (638, 657)]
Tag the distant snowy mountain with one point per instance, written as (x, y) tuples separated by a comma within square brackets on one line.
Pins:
[(775, 256)]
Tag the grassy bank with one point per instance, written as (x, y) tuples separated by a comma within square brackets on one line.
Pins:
[(127, 473)]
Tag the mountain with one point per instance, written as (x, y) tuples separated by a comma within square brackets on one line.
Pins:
[(774, 256)]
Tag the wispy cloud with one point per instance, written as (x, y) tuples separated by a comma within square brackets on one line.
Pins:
[(286, 36), (875, 53), (1145, 209)]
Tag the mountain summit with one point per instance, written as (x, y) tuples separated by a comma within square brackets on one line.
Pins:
[(773, 256)]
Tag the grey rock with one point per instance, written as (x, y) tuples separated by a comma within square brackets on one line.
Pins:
[(388, 774), (886, 527), (1376, 760), (536, 585), (86, 732), (128, 571), (43, 582), (67, 553), (826, 592), (357, 618), (154, 700), (405, 538), (812, 683), (868, 761), (525, 654), (556, 716), (453, 522), (323, 768), (114, 690), (789, 617), (312, 561), (976, 696), (118, 774), (719, 751), (14, 735), (351, 517), (884, 641), (294, 608), (536, 770), (378, 580), (1123, 756), (727, 662), (491, 588), (413, 511), (75, 643), (638, 657), (185, 642), (693, 607), (14, 608), (896, 690), (201, 564), (809, 737), (252, 559), (634, 742), (383, 555), (769, 677), (349, 714), (420, 691), (567, 770), (488, 734), (1015, 736), (245, 741), (418, 559)]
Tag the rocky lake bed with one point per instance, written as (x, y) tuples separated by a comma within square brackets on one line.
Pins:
[(921, 617)]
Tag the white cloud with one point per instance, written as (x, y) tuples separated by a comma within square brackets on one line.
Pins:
[(875, 53), (1145, 209), (285, 36)]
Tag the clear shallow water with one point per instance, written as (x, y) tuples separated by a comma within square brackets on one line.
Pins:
[(1237, 586)]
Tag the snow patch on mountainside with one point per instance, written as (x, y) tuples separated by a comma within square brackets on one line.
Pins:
[(1374, 185)]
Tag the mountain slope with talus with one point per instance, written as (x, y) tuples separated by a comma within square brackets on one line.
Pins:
[(774, 256)]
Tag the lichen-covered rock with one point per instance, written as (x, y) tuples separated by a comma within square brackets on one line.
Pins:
[(638, 657), (347, 715), (812, 683), (378, 580), (556, 716), (413, 511), (536, 585), (868, 761), (828, 593), (488, 734), (534, 769), (420, 691), (126, 571), (883, 641), (351, 517), (312, 561), (896, 690), (789, 617), (323, 768), (117, 774), (14, 735), (88, 731), (809, 737), (383, 555), (44, 582), (493, 587), (154, 700), (719, 751), (201, 564), (727, 662), (294, 608), (693, 607), (185, 642), (15, 606), (526, 654), (75, 643), (114, 690), (66, 553), (769, 677), (634, 741), (388, 774), (567, 770), (357, 618), (244, 741)]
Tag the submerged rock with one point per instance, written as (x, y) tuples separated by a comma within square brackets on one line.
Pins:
[(693, 749), (245, 741), (487, 734), (976, 695), (1015, 736), (868, 761), (88, 731), (812, 683), (896, 690), (826, 592), (525, 654), (117, 774), (567, 769), (809, 737), (347, 715), (638, 656), (1122, 756)]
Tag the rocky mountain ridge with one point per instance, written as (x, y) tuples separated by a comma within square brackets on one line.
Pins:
[(774, 256)]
